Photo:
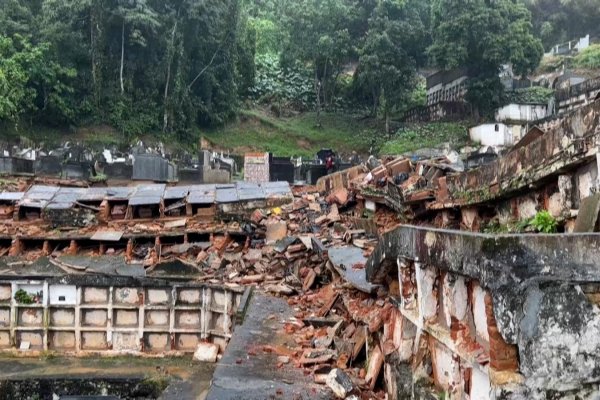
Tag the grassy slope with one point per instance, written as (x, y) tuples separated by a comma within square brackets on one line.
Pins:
[(299, 135), (255, 131)]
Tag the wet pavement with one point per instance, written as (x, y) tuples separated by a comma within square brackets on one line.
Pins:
[(247, 372)]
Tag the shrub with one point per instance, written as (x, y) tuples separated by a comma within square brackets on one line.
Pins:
[(544, 222), (588, 58), (22, 297)]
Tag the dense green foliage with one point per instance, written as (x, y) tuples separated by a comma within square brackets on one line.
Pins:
[(390, 53), (283, 88), (140, 65), (170, 66), (544, 222), (558, 21), (482, 37)]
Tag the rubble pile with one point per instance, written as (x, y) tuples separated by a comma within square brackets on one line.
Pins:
[(342, 335), (339, 331)]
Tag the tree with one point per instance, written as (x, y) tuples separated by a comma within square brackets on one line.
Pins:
[(137, 20), (558, 21), (318, 36), (389, 54), (482, 37), (30, 81)]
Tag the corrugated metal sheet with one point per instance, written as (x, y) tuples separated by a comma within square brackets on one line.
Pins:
[(202, 194), (250, 191), (274, 189), (93, 194), (41, 192)]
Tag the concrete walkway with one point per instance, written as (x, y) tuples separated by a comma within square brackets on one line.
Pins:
[(240, 375)]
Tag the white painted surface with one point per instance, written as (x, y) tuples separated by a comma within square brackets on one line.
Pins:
[(521, 112), (63, 294), (446, 368), (480, 385), (206, 352), (370, 205), (586, 178), (459, 299), (494, 134), (479, 315), (583, 43), (31, 289), (426, 297)]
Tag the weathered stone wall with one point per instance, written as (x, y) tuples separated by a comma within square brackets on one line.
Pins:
[(495, 316)]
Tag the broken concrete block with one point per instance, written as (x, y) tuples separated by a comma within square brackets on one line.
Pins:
[(340, 197), (339, 383), (206, 352), (283, 359), (258, 216), (276, 231), (253, 255), (398, 166)]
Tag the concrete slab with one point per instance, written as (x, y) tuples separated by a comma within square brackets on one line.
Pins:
[(346, 260), (243, 376), (588, 214)]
